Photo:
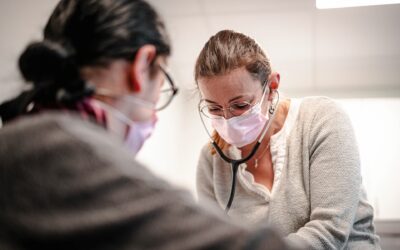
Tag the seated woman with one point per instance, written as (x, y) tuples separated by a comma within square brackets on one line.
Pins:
[(69, 184), (295, 161)]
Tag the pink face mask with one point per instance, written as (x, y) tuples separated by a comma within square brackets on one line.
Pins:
[(118, 123), (138, 133), (241, 130)]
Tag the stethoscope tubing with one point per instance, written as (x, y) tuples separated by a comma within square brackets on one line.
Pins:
[(235, 163)]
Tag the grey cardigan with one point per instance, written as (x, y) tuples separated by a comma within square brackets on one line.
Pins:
[(320, 202), (67, 184)]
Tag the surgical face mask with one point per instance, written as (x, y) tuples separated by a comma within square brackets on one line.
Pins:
[(138, 133), (242, 130), (133, 133)]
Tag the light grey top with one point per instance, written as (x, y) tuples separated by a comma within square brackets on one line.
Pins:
[(68, 184), (319, 202)]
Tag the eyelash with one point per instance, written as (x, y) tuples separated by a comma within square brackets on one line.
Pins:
[(214, 108), (240, 105)]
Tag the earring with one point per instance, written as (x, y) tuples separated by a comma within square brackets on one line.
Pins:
[(271, 110), (272, 107)]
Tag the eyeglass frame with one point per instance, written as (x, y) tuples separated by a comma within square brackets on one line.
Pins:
[(172, 85), (229, 108), (145, 103)]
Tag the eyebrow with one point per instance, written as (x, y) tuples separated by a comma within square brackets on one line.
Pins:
[(231, 100)]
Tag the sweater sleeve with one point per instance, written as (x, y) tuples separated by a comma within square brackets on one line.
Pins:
[(334, 180), (204, 178)]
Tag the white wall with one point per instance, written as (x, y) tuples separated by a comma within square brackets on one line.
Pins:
[(21, 21), (377, 127), (349, 54)]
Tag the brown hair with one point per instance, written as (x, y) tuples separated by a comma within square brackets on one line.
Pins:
[(226, 51)]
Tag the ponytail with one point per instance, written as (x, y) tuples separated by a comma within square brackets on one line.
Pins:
[(82, 33), (54, 78)]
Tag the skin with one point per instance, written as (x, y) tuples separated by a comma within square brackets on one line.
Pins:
[(140, 78), (240, 85)]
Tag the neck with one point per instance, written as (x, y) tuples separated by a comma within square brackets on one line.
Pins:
[(280, 118)]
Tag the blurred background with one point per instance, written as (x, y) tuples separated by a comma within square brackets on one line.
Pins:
[(349, 54)]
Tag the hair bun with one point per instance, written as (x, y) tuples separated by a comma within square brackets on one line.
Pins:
[(49, 66), (43, 62)]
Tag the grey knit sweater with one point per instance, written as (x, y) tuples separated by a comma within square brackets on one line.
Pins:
[(67, 184), (320, 202)]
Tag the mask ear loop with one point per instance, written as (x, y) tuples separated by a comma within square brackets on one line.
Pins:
[(271, 110), (125, 119), (133, 100), (235, 163), (265, 87)]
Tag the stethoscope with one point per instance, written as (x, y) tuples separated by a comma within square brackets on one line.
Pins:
[(235, 163)]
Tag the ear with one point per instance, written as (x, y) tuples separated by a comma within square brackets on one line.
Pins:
[(143, 59), (274, 80)]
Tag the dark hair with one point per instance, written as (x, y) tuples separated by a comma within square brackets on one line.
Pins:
[(83, 33)]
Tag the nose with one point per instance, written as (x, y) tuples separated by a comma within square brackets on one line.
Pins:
[(227, 114)]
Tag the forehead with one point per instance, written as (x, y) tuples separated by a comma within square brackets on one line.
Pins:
[(223, 88)]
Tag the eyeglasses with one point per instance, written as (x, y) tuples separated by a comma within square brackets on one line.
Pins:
[(214, 111), (167, 92), (166, 95)]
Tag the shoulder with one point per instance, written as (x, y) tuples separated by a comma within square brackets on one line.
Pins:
[(318, 104), (52, 131), (318, 111), (205, 158), (325, 121), (323, 117), (62, 140), (55, 122), (206, 150)]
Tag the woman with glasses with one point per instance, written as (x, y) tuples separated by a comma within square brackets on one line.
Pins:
[(66, 183), (110, 69), (290, 163)]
